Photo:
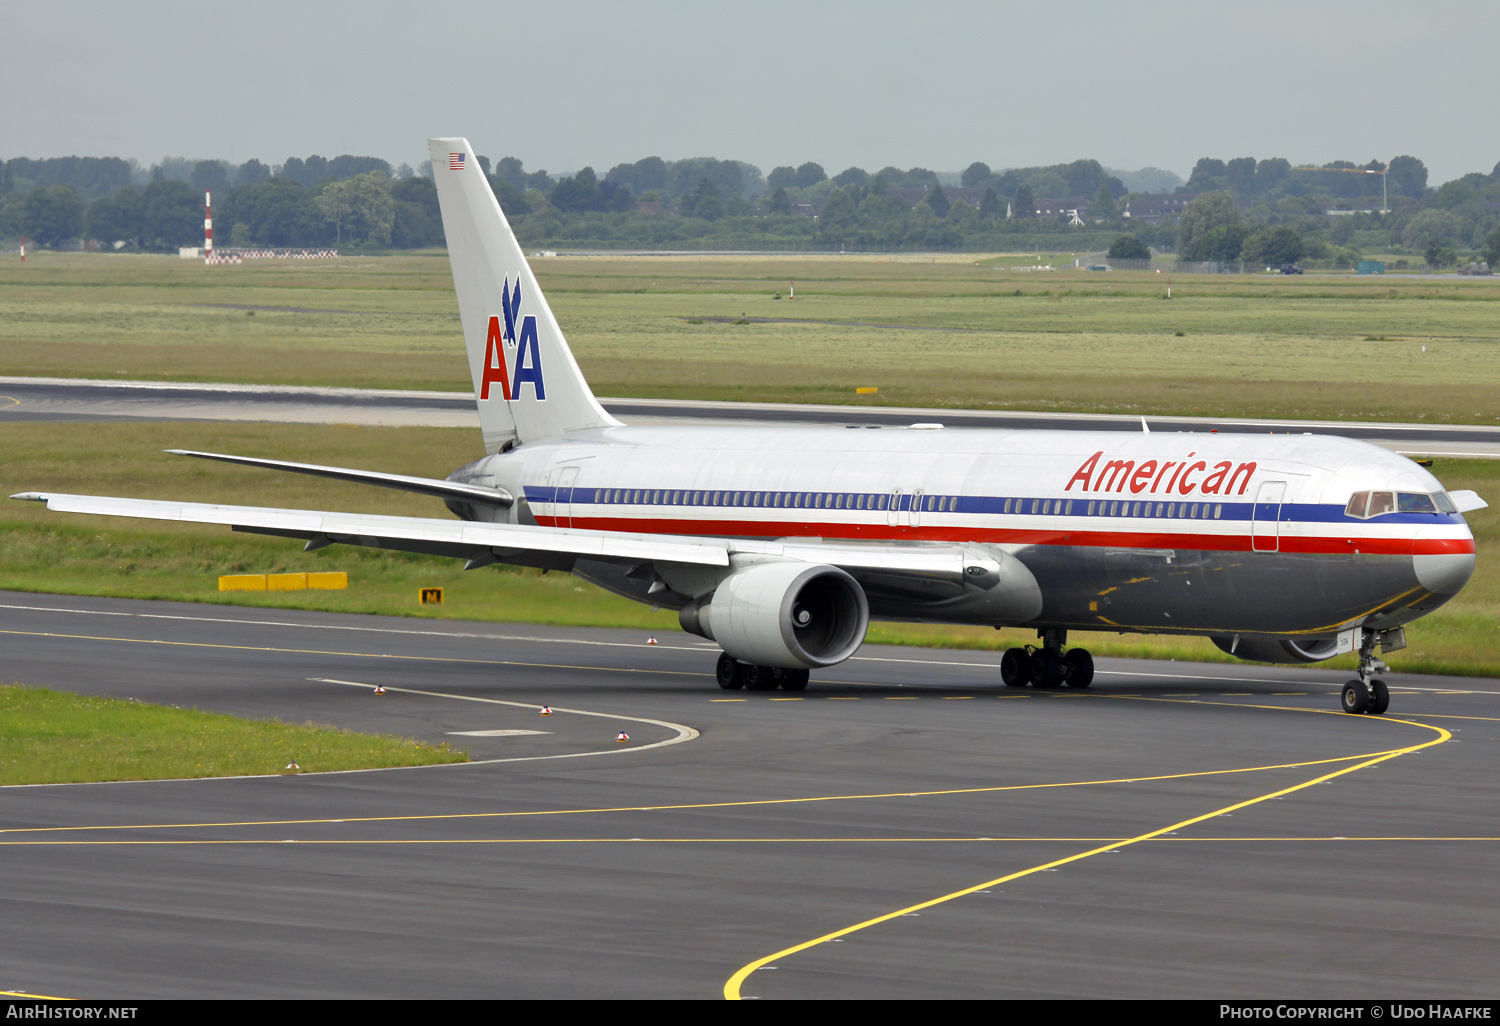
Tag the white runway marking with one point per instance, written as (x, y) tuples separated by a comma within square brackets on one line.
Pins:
[(494, 733), (684, 733)]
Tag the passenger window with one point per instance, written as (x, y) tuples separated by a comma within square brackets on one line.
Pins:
[(1382, 502), (1194, 513), (656, 498), (1068, 511), (882, 502), (1415, 502), (1091, 509), (1007, 507), (1114, 509), (1358, 503), (1035, 503), (1137, 510), (1443, 502), (1218, 510)]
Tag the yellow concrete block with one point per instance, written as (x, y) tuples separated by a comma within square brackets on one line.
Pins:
[(330, 579), (243, 582), (866, 391), (286, 582)]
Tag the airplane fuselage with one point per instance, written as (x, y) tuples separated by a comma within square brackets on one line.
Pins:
[(1217, 534)]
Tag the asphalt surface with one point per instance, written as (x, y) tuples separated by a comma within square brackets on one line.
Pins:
[(1306, 853), (23, 399)]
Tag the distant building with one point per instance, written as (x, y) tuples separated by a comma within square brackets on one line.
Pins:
[(1063, 207), (1155, 207)]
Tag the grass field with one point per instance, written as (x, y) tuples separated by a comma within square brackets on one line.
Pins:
[(53, 737), (945, 331), (65, 553)]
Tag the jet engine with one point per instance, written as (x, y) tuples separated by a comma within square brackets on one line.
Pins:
[(1279, 650), (790, 615)]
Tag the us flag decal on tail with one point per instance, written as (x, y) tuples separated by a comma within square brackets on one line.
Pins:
[(455, 162)]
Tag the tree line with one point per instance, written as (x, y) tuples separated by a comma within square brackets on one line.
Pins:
[(1246, 209)]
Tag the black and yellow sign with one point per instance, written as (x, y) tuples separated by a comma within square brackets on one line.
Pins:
[(431, 596)]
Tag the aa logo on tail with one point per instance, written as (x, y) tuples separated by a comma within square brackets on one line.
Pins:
[(502, 337)]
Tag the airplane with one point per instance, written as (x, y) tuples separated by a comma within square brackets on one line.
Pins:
[(780, 544)]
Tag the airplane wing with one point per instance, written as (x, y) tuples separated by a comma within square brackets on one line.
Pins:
[(528, 545), (497, 497)]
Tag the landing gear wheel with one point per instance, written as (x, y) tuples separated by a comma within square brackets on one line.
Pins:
[(1355, 697), (794, 680), (1015, 667), (1047, 669), (1380, 697), (760, 678), (1080, 667), (729, 673)]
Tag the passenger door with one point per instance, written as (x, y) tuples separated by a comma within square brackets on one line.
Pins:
[(1265, 517), (564, 508)]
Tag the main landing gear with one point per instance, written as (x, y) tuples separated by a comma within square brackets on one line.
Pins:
[(734, 675), (1367, 693), (1048, 666)]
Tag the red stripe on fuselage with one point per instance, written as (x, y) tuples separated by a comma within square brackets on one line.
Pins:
[(1240, 542)]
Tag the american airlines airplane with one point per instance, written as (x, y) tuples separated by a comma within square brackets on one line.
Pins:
[(781, 543)]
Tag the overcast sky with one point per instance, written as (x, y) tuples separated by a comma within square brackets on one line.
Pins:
[(932, 83)]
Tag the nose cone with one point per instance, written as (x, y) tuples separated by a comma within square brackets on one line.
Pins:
[(1444, 573)]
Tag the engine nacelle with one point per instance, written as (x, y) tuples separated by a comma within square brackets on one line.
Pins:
[(793, 615), (1279, 650)]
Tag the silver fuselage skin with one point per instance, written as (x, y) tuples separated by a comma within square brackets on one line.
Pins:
[(1210, 534)]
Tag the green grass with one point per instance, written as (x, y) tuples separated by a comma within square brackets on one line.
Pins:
[(1348, 347), (75, 554), (54, 737)]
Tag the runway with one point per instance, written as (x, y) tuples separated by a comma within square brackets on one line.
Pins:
[(65, 399), (907, 827)]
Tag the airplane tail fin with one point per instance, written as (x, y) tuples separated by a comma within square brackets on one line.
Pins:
[(526, 383)]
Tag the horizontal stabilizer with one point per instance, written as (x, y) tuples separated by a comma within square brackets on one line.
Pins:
[(497, 497)]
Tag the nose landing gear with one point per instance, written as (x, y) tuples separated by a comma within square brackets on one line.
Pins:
[(1048, 666), (1367, 693)]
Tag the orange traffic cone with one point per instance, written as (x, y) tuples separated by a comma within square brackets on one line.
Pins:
[(379, 690), (622, 736), (546, 710)]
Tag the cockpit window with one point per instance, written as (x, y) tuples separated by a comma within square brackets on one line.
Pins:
[(1373, 504), (1415, 502)]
